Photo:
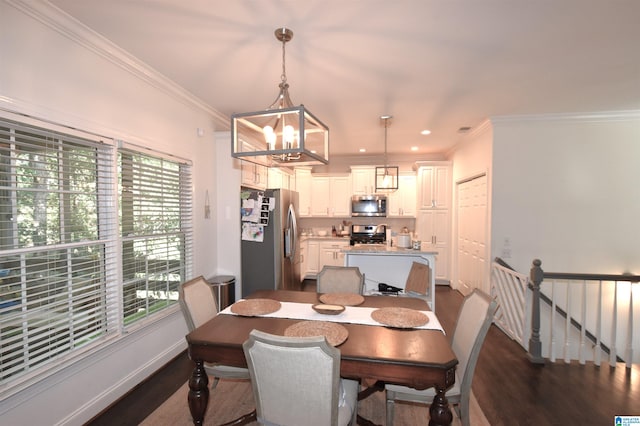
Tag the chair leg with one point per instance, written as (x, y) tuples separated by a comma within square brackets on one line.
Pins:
[(214, 382), (462, 410), (391, 407)]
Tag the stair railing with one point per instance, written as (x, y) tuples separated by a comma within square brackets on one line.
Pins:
[(582, 317), (602, 300)]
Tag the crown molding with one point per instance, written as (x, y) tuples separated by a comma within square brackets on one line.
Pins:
[(585, 117), (79, 33)]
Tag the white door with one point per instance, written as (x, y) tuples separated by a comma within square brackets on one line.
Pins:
[(472, 234)]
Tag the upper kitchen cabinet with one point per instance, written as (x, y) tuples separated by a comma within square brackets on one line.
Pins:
[(331, 195), (363, 180), (303, 187), (279, 178), (254, 175), (402, 203), (434, 185)]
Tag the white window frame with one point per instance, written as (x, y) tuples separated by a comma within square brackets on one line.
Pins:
[(110, 242)]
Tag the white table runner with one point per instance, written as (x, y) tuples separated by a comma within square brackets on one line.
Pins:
[(352, 314)]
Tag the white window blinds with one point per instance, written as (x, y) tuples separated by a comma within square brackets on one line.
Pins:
[(92, 240), (54, 245), (156, 230)]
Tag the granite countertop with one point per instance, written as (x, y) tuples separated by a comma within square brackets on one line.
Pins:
[(326, 237), (385, 250)]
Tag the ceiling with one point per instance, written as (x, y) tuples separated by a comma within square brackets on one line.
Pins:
[(432, 64)]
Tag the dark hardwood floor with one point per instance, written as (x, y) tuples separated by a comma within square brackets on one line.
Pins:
[(509, 389)]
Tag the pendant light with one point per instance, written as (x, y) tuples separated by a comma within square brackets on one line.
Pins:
[(282, 134), (387, 176)]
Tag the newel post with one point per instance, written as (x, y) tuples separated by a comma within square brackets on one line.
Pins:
[(535, 346)]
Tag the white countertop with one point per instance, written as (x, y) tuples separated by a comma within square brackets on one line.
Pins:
[(376, 249)]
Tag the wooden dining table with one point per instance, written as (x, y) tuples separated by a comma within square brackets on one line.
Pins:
[(418, 358)]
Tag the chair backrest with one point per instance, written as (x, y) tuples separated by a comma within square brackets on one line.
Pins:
[(474, 319), (295, 380), (419, 278), (197, 301), (340, 279)]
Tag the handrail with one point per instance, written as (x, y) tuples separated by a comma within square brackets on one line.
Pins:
[(591, 277), (538, 276)]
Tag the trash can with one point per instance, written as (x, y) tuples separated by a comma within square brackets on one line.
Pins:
[(225, 289)]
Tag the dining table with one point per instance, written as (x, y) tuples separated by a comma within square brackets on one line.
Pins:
[(373, 353)]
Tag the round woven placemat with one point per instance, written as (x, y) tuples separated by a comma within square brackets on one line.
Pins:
[(344, 299), (400, 317), (335, 333), (254, 307)]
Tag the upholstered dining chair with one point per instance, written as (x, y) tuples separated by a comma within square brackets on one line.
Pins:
[(474, 318), (198, 303), (296, 381), (340, 279)]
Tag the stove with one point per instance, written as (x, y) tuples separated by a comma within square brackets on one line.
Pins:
[(368, 234)]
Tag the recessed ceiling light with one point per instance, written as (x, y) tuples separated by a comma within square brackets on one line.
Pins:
[(425, 132), (363, 150), (464, 129), (414, 148)]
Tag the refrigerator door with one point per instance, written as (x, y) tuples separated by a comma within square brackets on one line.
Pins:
[(273, 263)]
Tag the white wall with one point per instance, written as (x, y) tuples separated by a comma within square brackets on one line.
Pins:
[(565, 190), (471, 158), (228, 173), (55, 69)]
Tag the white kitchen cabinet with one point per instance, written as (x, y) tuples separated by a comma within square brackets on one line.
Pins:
[(252, 175), (340, 195), (278, 178), (303, 187), (433, 229), (363, 180), (331, 253), (331, 195), (402, 203), (434, 185), (321, 196), (312, 258)]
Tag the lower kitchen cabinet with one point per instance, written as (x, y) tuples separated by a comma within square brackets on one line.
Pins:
[(331, 253), (317, 253)]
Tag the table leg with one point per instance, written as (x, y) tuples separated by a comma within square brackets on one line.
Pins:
[(198, 393), (439, 411)]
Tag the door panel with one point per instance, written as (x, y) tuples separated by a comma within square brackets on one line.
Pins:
[(472, 234)]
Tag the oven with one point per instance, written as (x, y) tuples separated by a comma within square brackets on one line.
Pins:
[(368, 234)]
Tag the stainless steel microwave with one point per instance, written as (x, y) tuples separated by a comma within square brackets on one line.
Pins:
[(369, 206)]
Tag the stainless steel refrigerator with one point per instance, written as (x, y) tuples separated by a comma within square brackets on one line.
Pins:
[(270, 246)]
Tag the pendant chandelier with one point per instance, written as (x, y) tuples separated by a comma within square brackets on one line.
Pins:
[(283, 134), (387, 176)]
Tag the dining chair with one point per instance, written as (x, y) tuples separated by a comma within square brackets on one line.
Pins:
[(198, 304), (418, 283), (296, 381), (474, 318), (340, 279)]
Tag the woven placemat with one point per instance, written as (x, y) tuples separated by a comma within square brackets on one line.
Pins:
[(344, 299), (335, 333), (254, 307), (400, 317)]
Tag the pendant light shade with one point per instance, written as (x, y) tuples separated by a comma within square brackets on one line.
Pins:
[(282, 134), (386, 176)]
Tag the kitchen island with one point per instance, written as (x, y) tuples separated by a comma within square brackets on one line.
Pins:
[(389, 265)]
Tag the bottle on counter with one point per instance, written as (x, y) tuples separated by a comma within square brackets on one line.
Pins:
[(334, 233)]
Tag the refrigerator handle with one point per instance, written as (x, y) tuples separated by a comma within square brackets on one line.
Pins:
[(291, 234)]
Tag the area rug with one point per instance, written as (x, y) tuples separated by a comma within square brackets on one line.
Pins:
[(233, 398)]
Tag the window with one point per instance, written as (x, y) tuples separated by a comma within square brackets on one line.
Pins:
[(156, 231), (61, 255)]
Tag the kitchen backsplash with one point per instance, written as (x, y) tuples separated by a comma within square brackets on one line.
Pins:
[(326, 223)]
